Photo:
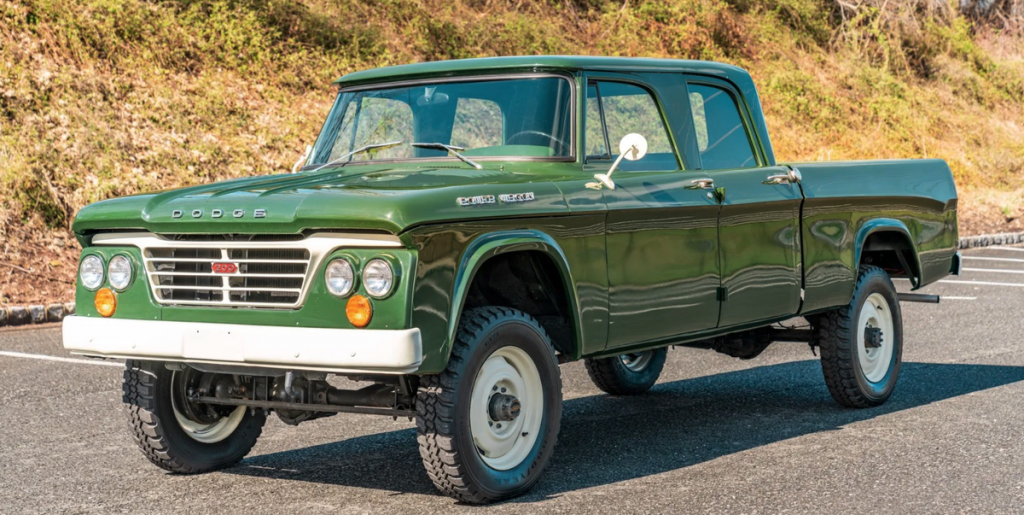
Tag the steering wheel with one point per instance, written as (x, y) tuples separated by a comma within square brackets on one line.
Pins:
[(561, 143)]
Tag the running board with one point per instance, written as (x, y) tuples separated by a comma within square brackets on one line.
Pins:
[(918, 297)]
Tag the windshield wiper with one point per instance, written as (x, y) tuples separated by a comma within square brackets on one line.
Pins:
[(452, 149), (359, 150)]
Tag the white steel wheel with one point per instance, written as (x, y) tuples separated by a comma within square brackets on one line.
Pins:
[(638, 361), (507, 408), (874, 348), (209, 432)]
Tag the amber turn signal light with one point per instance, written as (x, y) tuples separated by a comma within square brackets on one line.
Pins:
[(106, 302), (359, 310)]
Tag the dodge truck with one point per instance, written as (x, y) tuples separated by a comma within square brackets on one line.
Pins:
[(460, 229)]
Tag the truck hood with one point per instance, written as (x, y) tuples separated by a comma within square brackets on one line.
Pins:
[(371, 198)]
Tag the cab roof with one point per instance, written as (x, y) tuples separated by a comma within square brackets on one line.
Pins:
[(542, 63)]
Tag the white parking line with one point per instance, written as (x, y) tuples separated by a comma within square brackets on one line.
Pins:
[(44, 357), (983, 283), (1007, 260), (993, 270), (1015, 249)]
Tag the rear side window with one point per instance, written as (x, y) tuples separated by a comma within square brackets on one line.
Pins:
[(721, 137), (623, 109)]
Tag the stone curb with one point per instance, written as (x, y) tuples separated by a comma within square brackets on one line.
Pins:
[(35, 314), (985, 240), (38, 313)]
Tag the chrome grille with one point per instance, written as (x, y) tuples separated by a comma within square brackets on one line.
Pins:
[(269, 272), (259, 277)]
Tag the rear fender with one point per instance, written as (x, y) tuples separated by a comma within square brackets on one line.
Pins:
[(886, 225)]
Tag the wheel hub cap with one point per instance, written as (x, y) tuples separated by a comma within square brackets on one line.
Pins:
[(504, 408)]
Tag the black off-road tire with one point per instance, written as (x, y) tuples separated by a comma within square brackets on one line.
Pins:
[(443, 401), (835, 332), (147, 395), (612, 375)]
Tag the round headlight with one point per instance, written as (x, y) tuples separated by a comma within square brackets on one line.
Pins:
[(378, 278), (119, 272), (340, 277), (91, 271)]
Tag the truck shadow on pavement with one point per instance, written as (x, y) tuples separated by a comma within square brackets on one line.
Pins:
[(678, 424)]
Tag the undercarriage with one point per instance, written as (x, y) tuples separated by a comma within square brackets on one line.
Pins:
[(295, 396)]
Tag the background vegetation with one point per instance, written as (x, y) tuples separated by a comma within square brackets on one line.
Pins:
[(101, 98)]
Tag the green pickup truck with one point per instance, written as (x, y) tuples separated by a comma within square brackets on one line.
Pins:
[(459, 229)]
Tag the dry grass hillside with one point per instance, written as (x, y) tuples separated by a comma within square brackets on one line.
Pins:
[(100, 98)]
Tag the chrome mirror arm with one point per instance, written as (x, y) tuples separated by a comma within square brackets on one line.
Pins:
[(302, 160), (630, 143)]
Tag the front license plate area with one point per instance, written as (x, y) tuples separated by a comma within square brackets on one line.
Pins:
[(213, 345)]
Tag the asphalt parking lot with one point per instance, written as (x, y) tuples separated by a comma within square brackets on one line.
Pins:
[(716, 435)]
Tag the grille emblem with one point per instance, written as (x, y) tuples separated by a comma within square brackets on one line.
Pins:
[(197, 213), (224, 268), (238, 213), (216, 213), (176, 213)]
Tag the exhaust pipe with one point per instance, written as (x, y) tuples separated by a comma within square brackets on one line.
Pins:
[(918, 297)]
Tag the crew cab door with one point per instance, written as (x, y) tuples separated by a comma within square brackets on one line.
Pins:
[(759, 221), (662, 234)]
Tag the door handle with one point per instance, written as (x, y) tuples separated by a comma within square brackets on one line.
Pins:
[(701, 184), (777, 179), (784, 178)]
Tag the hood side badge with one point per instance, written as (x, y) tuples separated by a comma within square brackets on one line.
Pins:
[(506, 198), (475, 201), (509, 198)]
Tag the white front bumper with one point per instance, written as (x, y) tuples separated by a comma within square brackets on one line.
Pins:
[(396, 351)]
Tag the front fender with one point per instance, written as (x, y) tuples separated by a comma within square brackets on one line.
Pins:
[(492, 244)]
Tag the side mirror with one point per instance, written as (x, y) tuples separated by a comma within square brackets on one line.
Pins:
[(632, 147)]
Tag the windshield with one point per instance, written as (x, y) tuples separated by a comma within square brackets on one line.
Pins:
[(503, 118)]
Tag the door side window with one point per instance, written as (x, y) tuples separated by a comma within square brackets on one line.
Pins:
[(721, 137), (596, 148), (619, 109)]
